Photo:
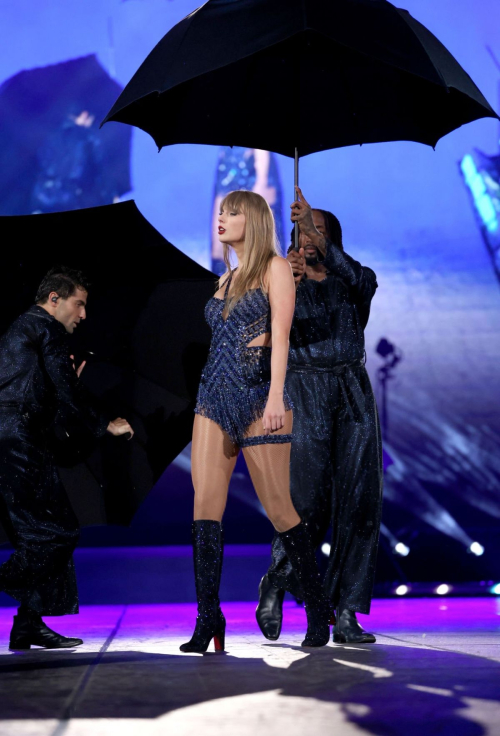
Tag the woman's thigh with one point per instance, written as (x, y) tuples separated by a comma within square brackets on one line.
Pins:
[(269, 467), (213, 457)]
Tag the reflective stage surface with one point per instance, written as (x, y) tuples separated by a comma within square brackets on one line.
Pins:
[(434, 670)]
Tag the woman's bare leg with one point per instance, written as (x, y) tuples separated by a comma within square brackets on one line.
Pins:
[(213, 457), (269, 468)]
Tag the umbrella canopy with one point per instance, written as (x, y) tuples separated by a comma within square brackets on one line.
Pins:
[(299, 74), (145, 339), (52, 155)]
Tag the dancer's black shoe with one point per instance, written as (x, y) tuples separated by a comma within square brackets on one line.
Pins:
[(29, 630), (207, 554), (300, 552), (269, 612), (348, 630)]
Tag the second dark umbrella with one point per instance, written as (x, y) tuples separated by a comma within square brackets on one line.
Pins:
[(145, 340)]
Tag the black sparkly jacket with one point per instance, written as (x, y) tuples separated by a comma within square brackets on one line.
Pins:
[(37, 378), (331, 315)]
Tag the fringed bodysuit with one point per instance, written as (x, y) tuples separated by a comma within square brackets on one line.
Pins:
[(235, 382)]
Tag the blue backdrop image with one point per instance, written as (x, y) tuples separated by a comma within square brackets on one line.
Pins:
[(427, 222)]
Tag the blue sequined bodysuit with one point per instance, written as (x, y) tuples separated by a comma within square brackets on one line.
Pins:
[(234, 385)]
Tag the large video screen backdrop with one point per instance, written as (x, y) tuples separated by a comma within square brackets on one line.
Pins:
[(426, 221)]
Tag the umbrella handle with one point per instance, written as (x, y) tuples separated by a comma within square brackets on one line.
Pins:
[(296, 184)]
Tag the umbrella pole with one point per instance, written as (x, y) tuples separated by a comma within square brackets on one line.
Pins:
[(296, 184)]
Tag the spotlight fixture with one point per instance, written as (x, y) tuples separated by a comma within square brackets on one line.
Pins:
[(495, 589), (476, 549), (402, 590), (442, 589), (325, 548), (401, 549)]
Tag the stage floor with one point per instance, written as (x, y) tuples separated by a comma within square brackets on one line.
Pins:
[(434, 670)]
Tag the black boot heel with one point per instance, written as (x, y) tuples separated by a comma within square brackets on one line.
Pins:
[(203, 634), (19, 644), (220, 640)]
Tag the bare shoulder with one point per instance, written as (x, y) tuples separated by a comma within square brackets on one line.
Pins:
[(279, 265), (279, 270)]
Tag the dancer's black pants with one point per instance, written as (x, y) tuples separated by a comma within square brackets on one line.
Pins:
[(38, 519), (336, 478)]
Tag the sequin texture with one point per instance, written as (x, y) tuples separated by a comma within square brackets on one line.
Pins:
[(208, 548), (336, 458), (235, 382), (37, 381)]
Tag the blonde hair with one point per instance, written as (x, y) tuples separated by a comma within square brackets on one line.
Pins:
[(261, 244)]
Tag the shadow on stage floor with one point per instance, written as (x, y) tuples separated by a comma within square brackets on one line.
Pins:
[(383, 689)]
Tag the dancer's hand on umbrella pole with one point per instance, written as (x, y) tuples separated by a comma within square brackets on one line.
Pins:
[(120, 426), (298, 264), (302, 215)]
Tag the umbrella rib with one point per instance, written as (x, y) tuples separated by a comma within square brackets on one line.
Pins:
[(408, 25)]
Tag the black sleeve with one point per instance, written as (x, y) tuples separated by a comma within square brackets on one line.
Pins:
[(361, 279), (75, 401)]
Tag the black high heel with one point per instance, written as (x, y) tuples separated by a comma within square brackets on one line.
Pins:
[(207, 555), (208, 627), (300, 552)]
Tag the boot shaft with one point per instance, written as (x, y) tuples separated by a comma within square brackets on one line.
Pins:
[(299, 549), (208, 547)]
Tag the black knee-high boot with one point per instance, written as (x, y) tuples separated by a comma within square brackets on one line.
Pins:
[(300, 552), (207, 554)]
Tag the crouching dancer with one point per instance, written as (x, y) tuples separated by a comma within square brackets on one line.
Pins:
[(38, 381)]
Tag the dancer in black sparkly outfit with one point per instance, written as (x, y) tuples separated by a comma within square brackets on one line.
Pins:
[(336, 460), (37, 382), (242, 403)]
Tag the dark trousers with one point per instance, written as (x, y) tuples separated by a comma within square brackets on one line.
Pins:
[(336, 478), (39, 522)]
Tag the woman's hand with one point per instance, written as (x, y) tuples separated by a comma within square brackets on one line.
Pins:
[(274, 415)]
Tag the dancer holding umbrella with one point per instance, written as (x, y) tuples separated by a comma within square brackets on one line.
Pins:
[(336, 459)]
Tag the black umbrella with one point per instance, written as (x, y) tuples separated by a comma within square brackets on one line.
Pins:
[(52, 155), (144, 338), (299, 76)]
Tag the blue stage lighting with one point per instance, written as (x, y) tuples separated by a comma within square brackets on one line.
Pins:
[(402, 590), (442, 589), (482, 199), (495, 589), (476, 549), (402, 549)]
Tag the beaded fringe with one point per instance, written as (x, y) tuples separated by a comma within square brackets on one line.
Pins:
[(236, 418)]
